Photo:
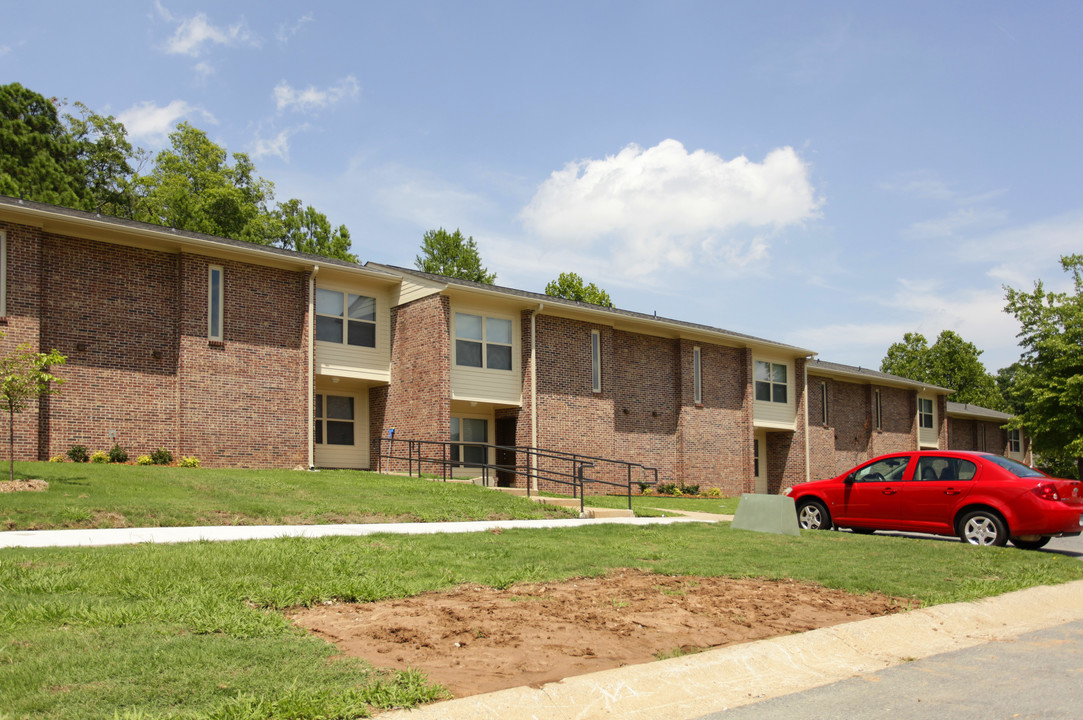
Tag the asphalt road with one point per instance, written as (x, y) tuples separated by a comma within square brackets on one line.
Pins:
[(1037, 676)]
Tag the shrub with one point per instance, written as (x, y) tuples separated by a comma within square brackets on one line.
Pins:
[(648, 491), (117, 454), (714, 492), (99, 456), (643, 486), (690, 489), (78, 453), (56, 458), (144, 460), (667, 488), (161, 457), (189, 462)]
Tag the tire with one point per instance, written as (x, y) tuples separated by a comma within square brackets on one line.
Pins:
[(813, 515), (1031, 544), (983, 527)]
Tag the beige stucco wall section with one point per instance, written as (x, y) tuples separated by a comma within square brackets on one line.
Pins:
[(502, 387), (349, 361)]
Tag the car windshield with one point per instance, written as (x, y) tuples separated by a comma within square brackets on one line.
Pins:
[(1015, 468)]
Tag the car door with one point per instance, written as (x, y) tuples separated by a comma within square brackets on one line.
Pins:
[(871, 500), (939, 484)]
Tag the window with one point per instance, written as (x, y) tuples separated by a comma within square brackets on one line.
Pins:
[(878, 410), (770, 382), (756, 457), (3, 274), (1014, 443), (214, 303), (697, 377), (940, 468), (981, 437), (925, 413), (887, 470), (823, 403), (345, 318), (467, 430), (334, 420), (482, 342), (595, 361)]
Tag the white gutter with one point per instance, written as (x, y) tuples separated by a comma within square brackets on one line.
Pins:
[(311, 367), (534, 395), (808, 467)]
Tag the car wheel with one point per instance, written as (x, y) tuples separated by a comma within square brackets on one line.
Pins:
[(813, 515), (1031, 544), (983, 527)]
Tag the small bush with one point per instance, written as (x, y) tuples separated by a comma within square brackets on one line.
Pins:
[(690, 489), (714, 492), (144, 460), (56, 458), (189, 462), (117, 454), (667, 488), (161, 457), (647, 491), (643, 486), (78, 453), (99, 456)]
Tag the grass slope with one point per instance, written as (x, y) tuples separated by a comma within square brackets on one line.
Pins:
[(193, 631)]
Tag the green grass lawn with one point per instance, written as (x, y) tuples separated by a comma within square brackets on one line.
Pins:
[(649, 505), (194, 630), (88, 495)]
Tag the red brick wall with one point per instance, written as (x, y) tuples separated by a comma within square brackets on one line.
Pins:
[(418, 401), (112, 309), (23, 325)]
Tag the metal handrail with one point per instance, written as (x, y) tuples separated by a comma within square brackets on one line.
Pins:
[(438, 454)]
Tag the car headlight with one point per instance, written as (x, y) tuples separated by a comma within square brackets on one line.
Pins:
[(788, 491)]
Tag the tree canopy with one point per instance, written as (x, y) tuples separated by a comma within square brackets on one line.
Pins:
[(451, 255), (570, 286), (950, 362), (83, 160), (1047, 383)]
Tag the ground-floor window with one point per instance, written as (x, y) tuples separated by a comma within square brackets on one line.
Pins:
[(469, 430), (334, 420)]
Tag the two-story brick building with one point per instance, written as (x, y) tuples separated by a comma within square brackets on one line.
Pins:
[(245, 355)]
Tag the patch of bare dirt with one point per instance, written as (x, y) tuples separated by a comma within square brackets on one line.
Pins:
[(476, 639), (7, 486)]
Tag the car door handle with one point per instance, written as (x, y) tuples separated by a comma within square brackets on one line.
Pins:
[(889, 491), (952, 491)]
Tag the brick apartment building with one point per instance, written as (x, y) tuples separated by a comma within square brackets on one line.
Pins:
[(244, 355)]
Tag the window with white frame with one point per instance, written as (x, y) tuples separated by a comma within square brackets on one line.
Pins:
[(3, 274), (345, 318), (1015, 444), (878, 410), (823, 403), (334, 415), (697, 376), (215, 293), (595, 361), (771, 382), (482, 342), (925, 413)]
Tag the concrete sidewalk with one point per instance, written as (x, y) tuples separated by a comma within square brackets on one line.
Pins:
[(130, 536), (695, 685)]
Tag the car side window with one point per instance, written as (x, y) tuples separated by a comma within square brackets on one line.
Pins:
[(886, 470), (943, 468)]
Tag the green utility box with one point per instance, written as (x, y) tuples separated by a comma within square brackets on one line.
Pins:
[(766, 513)]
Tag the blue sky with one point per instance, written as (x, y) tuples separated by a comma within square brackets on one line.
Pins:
[(830, 175)]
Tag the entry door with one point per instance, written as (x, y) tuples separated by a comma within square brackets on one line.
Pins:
[(505, 436), (759, 460)]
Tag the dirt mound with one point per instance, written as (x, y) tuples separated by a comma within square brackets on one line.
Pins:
[(475, 639)]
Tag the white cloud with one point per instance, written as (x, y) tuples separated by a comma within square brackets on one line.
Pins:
[(286, 32), (957, 221), (151, 123), (204, 69), (665, 207), (1021, 255), (193, 34), (313, 98), (278, 146)]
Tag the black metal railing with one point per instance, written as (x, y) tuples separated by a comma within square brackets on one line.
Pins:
[(534, 465)]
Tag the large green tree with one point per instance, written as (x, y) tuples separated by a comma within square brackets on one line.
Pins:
[(452, 255), (950, 362), (304, 229), (570, 286), (1048, 380)]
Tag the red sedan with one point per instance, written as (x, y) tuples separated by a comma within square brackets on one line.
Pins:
[(984, 499)]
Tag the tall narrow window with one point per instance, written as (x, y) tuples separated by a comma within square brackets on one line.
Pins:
[(697, 376), (823, 402), (925, 413), (595, 362), (214, 303), (1015, 444), (3, 274), (771, 382), (878, 410)]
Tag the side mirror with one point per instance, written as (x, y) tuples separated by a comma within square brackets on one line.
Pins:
[(849, 479)]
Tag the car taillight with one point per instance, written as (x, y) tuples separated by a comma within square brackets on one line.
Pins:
[(1047, 491)]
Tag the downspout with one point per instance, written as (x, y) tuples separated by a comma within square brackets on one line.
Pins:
[(311, 367), (808, 471), (534, 396)]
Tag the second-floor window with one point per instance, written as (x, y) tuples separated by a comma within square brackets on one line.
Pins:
[(771, 383), (1014, 442), (925, 413), (482, 342), (345, 318)]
